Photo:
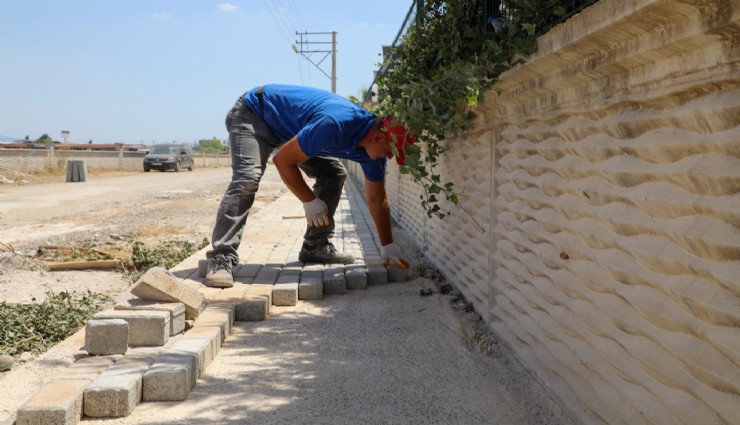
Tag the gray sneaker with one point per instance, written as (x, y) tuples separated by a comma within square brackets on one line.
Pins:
[(220, 273), (326, 254)]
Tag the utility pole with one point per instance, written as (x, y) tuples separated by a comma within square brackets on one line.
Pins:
[(302, 47)]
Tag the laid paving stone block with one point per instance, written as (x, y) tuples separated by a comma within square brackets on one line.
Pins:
[(247, 270), (310, 288), (170, 378), (292, 268), (356, 276), (211, 333), (285, 290), (267, 276), (202, 268), (256, 303), (176, 310), (334, 280), (201, 348), (56, 403), (157, 284), (118, 390), (87, 368), (220, 318), (145, 327), (376, 274), (397, 274), (106, 336)]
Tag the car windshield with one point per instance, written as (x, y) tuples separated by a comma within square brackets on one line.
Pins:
[(165, 150)]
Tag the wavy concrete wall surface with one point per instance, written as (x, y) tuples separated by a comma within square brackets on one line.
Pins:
[(599, 234)]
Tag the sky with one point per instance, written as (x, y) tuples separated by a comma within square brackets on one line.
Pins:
[(149, 71)]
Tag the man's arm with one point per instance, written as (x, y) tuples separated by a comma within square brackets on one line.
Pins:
[(286, 161), (377, 203)]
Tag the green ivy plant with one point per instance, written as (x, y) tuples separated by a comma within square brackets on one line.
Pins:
[(450, 57)]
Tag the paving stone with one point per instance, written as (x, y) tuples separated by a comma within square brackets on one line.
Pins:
[(201, 348), (145, 327), (397, 274), (56, 403), (310, 288), (285, 290), (87, 368), (157, 284), (202, 268), (334, 280), (247, 270), (356, 276), (118, 390), (256, 303), (377, 274), (218, 317), (170, 378), (176, 310), (106, 336), (212, 333)]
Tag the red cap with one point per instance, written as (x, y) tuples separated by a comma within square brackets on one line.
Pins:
[(402, 139)]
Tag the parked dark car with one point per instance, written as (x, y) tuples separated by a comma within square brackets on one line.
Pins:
[(169, 156)]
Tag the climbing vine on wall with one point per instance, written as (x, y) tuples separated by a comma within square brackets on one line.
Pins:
[(448, 59)]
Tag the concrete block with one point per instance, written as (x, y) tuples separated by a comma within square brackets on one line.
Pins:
[(334, 280), (285, 294), (170, 378), (201, 348), (285, 291), (87, 368), (158, 284), (56, 403), (211, 333), (310, 288), (145, 327), (220, 318), (106, 336), (202, 268), (118, 390), (397, 274), (356, 276), (256, 303), (247, 270), (376, 274), (176, 310)]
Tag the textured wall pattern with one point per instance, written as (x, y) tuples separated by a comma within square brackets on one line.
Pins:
[(610, 255)]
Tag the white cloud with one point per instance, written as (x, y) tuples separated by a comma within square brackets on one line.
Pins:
[(228, 7), (162, 16)]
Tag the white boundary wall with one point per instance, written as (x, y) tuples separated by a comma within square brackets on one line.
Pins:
[(602, 233)]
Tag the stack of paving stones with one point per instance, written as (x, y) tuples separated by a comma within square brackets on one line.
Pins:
[(155, 345)]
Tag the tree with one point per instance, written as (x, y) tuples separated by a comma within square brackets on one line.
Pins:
[(44, 138)]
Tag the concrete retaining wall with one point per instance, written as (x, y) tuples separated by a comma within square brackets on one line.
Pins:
[(36, 160), (600, 235)]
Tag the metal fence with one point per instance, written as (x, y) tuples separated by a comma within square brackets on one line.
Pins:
[(38, 160)]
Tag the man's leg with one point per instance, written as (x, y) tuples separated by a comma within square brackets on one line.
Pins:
[(330, 176), (251, 142)]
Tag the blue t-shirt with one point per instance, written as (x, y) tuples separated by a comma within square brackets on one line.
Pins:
[(325, 123)]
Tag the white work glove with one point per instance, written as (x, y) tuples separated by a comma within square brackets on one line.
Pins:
[(391, 253), (317, 213)]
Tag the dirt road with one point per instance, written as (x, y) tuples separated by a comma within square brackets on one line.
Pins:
[(107, 213)]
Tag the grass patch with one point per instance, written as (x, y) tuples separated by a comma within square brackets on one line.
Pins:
[(166, 255), (37, 327)]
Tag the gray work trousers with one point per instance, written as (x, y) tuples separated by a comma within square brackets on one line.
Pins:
[(252, 141)]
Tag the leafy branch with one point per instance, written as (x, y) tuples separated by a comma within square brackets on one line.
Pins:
[(454, 54)]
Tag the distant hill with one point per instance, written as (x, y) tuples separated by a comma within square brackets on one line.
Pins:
[(8, 138)]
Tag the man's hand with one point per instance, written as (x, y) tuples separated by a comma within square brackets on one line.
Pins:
[(391, 253), (317, 213)]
